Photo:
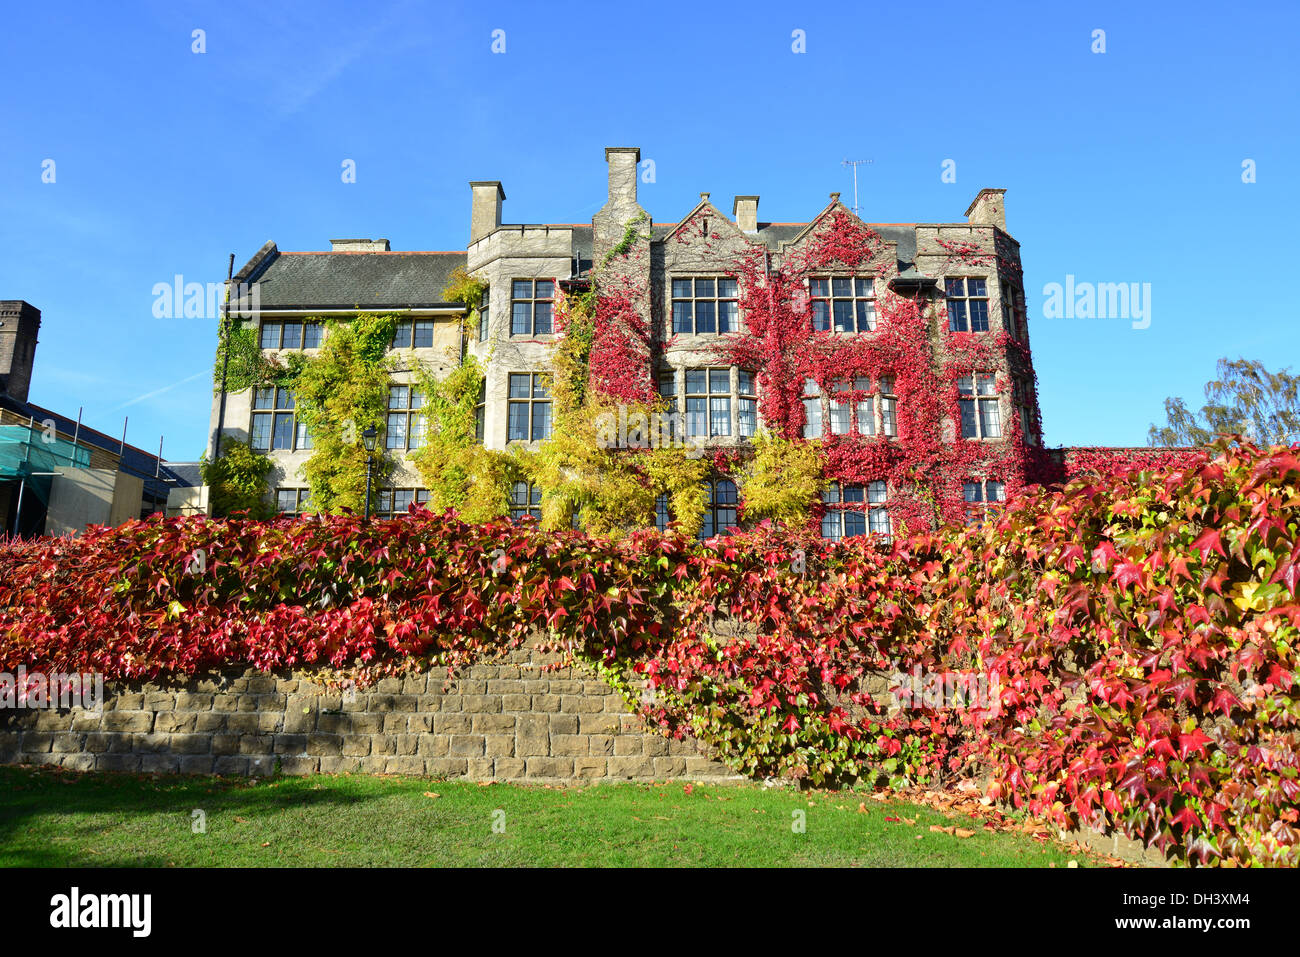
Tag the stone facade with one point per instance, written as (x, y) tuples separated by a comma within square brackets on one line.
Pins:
[(500, 253), (508, 720)]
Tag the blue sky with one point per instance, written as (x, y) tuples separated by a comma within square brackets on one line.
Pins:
[(1123, 166)]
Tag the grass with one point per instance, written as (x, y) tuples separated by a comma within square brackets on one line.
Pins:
[(61, 819)]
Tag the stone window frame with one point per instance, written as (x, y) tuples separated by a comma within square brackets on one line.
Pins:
[(711, 398), (387, 506), (301, 325), (967, 299), (525, 500), (723, 499), (411, 327), (408, 414), (984, 498), (533, 301), (846, 502), (282, 403), (302, 499), (716, 298), (972, 397), (855, 296), (539, 395)]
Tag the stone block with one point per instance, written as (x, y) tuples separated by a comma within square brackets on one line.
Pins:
[(532, 736), (298, 764), (446, 767), (548, 767), (323, 744), (172, 722), (632, 767), (589, 767), (599, 724), (229, 764), (629, 745), (191, 743), (466, 745), (159, 763), (564, 723), (568, 744), (508, 769), (404, 764), (132, 721), (256, 743), (356, 745)]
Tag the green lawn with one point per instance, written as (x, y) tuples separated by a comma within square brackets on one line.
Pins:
[(53, 818)]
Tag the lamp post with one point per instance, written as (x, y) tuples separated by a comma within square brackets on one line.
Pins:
[(368, 438)]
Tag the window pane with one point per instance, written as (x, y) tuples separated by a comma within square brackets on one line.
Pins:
[(720, 416), (417, 399), (260, 434), (887, 384), (667, 385), (395, 435), (839, 418), (520, 385), (270, 335), (541, 386), (866, 418), (398, 396), (728, 316), (812, 409), (841, 286), (424, 334), (879, 521), (832, 493), (311, 335), (695, 380), (292, 335), (263, 397), (283, 399), (748, 417), (544, 289), (821, 315), (957, 315), (985, 383), (968, 418), (682, 317), (541, 420), (843, 311), (719, 380), (706, 319), (997, 492), (954, 287), (282, 438), (286, 500), (696, 419), (831, 526), (303, 438), (855, 523), (853, 493), (704, 287), (661, 511), (726, 288), (521, 319), (970, 491), (402, 335), (726, 492), (876, 492), (864, 287), (979, 315), (966, 385), (517, 427), (415, 427), (976, 287), (990, 421), (542, 318), (521, 289), (866, 316), (810, 387), (889, 416), (681, 289)]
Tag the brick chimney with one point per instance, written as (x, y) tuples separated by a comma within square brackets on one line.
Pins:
[(359, 245), (745, 209), (988, 209), (485, 215), (19, 324)]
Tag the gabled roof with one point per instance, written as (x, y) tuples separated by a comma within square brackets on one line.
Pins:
[(348, 280)]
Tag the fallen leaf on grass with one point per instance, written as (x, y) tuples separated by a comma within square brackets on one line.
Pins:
[(432, 794), (963, 832), (862, 808), (240, 820), (266, 843)]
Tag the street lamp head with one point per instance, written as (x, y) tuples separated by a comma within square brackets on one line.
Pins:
[(369, 436)]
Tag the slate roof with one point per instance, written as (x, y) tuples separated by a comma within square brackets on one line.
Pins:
[(350, 280)]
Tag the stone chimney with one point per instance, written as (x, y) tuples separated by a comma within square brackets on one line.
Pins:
[(988, 209), (745, 209), (359, 245), (622, 162), (19, 324), (486, 212)]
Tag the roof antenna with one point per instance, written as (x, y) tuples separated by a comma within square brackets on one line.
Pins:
[(855, 164)]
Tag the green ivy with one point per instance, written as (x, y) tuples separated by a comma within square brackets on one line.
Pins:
[(237, 480)]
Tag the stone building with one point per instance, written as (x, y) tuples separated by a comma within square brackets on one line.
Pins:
[(689, 299)]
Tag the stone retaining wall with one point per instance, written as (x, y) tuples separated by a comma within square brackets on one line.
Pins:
[(504, 721)]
